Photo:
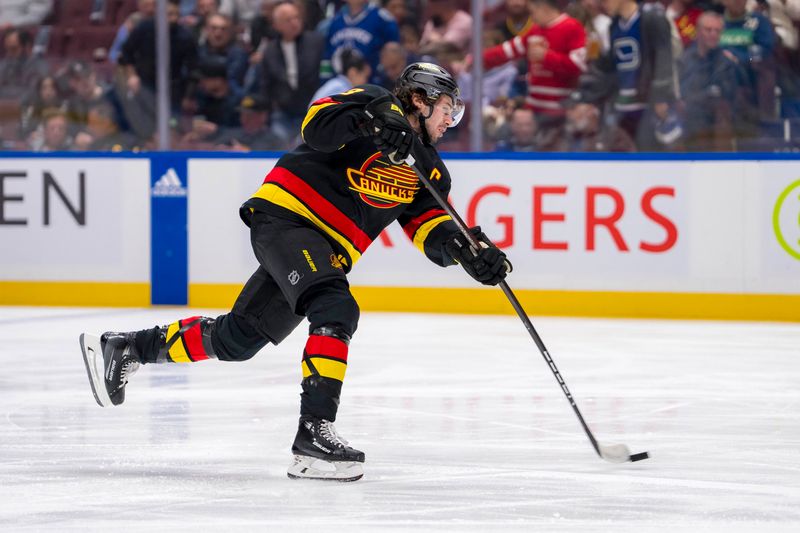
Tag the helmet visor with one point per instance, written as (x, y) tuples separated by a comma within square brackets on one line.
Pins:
[(452, 107)]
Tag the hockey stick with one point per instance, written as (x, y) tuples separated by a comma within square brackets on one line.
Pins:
[(615, 453)]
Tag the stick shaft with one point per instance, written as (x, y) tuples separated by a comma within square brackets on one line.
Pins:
[(512, 298)]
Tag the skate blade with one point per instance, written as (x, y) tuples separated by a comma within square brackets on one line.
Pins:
[(95, 368), (305, 467)]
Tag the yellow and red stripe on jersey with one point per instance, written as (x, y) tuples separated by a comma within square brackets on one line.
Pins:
[(283, 188), (315, 108), (325, 356), (185, 341), (420, 227)]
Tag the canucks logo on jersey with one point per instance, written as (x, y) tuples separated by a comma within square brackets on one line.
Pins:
[(382, 185)]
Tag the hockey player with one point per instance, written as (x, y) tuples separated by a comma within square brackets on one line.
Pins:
[(313, 217)]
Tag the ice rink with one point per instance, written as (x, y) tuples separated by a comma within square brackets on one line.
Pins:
[(463, 425)]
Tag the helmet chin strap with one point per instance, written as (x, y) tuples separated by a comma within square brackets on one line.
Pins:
[(426, 138)]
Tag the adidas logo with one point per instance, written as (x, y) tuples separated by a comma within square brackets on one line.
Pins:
[(169, 185)]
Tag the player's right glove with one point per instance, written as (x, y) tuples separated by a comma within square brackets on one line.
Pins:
[(489, 265), (388, 128)]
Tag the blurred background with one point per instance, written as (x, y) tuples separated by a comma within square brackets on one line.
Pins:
[(553, 75)]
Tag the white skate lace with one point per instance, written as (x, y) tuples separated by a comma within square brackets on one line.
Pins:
[(129, 368), (327, 430)]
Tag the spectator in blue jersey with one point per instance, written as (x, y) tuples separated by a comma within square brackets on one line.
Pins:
[(750, 38), (362, 27), (354, 70), (221, 43), (708, 81), (290, 70), (638, 74)]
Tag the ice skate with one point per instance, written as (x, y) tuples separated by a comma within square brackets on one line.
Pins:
[(320, 453), (110, 361)]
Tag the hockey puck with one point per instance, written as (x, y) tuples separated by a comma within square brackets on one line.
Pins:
[(640, 456)]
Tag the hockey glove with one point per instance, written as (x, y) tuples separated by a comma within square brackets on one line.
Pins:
[(388, 128), (488, 265)]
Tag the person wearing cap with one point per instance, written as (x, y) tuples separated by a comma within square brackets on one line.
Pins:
[(84, 91), (254, 134), (313, 217)]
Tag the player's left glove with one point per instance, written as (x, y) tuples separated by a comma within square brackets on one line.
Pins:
[(388, 128), (489, 264)]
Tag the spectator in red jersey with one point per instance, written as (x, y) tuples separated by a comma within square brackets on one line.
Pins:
[(685, 16), (555, 49)]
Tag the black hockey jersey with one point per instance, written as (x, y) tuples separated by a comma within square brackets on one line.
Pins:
[(338, 182)]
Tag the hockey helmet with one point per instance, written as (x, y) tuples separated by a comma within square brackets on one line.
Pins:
[(434, 81)]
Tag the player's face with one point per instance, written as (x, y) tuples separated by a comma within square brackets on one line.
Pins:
[(441, 118)]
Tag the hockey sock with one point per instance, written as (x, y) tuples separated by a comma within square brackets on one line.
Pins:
[(324, 366), (180, 342)]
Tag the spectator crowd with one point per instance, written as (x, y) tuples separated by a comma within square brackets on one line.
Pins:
[(558, 75)]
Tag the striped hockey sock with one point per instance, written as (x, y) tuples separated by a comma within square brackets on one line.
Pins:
[(185, 342)]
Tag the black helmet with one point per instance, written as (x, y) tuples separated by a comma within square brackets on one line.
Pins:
[(434, 81)]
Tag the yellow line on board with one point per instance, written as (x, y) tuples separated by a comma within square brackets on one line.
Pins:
[(713, 306), (74, 293), (776, 307)]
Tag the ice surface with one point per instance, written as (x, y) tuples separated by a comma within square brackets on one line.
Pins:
[(463, 425)]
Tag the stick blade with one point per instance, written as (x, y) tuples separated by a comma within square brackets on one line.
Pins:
[(619, 453)]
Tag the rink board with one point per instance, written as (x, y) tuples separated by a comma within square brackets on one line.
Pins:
[(613, 238), (74, 231), (591, 236)]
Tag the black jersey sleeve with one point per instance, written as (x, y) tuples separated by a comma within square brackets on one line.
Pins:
[(333, 121)]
